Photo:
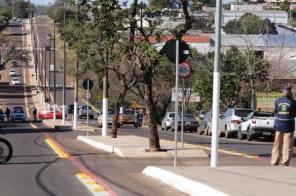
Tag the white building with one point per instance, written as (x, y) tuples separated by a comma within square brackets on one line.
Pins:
[(278, 17), (247, 7)]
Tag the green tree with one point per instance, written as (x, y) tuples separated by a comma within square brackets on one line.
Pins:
[(250, 24), (239, 69), (285, 6)]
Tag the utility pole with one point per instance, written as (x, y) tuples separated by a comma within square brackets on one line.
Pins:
[(54, 72), (105, 103), (45, 77), (216, 86), (65, 62), (76, 77)]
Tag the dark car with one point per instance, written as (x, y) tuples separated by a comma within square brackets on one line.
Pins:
[(71, 109), (1, 115)]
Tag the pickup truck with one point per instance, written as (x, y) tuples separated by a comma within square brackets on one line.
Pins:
[(257, 124)]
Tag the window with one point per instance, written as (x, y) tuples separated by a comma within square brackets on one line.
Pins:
[(242, 112)]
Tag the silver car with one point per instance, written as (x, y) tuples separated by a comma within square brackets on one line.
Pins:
[(231, 120), (190, 123), (110, 118), (84, 110)]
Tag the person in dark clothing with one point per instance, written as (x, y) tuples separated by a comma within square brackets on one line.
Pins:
[(35, 113), (7, 112), (284, 124)]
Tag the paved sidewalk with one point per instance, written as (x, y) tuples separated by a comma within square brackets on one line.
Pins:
[(134, 147), (231, 180), (201, 180)]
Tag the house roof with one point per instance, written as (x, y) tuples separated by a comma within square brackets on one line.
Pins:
[(187, 38)]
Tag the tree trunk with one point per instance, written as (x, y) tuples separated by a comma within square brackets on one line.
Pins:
[(253, 96), (154, 144), (115, 123)]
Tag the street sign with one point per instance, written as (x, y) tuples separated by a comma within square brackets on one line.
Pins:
[(184, 70), (169, 50), (87, 95), (90, 83), (51, 67), (189, 95)]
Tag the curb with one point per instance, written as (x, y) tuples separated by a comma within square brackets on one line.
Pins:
[(101, 146), (181, 183)]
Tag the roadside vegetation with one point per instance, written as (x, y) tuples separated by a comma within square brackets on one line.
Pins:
[(110, 40)]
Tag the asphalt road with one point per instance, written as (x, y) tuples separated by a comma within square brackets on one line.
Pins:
[(35, 169)]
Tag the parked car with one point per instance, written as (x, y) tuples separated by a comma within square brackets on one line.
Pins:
[(231, 120), (12, 72), (48, 114), (71, 109), (257, 124), (1, 115), (127, 116), (15, 81), (84, 110), (110, 118), (205, 124), (190, 123), (202, 113), (18, 114)]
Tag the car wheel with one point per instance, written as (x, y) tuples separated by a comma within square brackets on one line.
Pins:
[(199, 132), (227, 134), (249, 134), (166, 128), (240, 135)]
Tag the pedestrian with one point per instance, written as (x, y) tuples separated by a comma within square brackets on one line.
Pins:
[(35, 113), (285, 112), (7, 112)]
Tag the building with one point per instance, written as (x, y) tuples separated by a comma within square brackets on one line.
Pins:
[(247, 7), (275, 4), (278, 17), (203, 44)]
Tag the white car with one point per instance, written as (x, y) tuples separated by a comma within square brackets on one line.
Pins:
[(110, 118), (84, 110), (12, 72), (231, 120), (257, 124), (15, 81)]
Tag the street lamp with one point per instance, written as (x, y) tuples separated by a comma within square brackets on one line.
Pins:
[(52, 68)]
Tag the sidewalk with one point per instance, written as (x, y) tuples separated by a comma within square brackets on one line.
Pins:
[(134, 147), (232, 180), (201, 180)]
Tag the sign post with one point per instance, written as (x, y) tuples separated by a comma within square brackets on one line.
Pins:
[(176, 102), (87, 85), (87, 107), (176, 51), (185, 71)]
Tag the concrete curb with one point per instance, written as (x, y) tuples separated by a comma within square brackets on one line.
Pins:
[(100, 145), (181, 183)]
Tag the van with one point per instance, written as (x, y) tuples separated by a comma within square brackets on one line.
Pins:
[(127, 116)]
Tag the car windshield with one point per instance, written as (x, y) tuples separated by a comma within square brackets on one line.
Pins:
[(188, 116), (242, 112), (110, 112), (85, 107), (263, 114), (18, 110), (129, 112)]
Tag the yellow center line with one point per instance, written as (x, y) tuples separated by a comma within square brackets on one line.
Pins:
[(57, 148)]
